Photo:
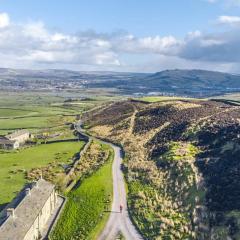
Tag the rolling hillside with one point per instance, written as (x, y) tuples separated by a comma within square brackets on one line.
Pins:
[(181, 165)]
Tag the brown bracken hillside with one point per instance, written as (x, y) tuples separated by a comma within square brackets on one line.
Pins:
[(181, 164)]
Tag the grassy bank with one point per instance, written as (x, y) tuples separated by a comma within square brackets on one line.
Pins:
[(85, 213)]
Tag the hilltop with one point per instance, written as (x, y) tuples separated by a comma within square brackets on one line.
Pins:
[(181, 165), (197, 82)]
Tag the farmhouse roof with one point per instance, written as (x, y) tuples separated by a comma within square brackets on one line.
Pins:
[(16, 227), (17, 133), (4, 140)]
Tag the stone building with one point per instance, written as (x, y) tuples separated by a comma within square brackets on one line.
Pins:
[(14, 140), (20, 135), (34, 213), (8, 144)]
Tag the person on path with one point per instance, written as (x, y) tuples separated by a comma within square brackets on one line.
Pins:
[(121, 208)]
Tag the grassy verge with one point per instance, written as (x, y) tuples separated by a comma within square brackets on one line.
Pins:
[(86, 211)]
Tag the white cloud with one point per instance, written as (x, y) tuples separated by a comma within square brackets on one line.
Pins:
[(229, 20), (216, 47), (194, 34), (33, 45), (4, 20), (158, 45)]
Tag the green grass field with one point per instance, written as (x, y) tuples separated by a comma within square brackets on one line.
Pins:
[(85, 212), (30, 122), (36, 123), (14, 164), (41, 110), (11, 112)]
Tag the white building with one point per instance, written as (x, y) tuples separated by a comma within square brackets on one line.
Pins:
[(14, 140), (20, 135), (29, 220)]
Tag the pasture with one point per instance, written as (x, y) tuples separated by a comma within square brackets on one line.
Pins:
[(39, 111), (14, 165)]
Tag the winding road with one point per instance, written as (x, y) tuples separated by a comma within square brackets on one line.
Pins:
[(118, 222)]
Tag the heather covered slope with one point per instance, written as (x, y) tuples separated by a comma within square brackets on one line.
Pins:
[(182, 165)]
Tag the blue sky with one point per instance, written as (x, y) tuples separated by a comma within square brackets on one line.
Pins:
[(140, 17), (120, 35)]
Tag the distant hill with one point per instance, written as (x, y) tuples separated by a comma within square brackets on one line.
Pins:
[(197, 79), (188, 82), (171, 82)]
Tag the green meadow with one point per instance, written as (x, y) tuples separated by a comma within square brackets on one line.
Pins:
[(13, 165), (39, 111), (11, 112)]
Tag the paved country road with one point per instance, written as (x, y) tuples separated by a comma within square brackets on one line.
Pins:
[(117, 222)]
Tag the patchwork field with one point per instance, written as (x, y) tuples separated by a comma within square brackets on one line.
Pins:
[(34, 118), (48, 116), (45, 113)]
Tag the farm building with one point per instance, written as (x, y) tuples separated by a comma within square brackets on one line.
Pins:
[(14, 140), (8, 144), (35, 212), (20, 135)]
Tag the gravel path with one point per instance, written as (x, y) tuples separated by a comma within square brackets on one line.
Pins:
[(119, 222)]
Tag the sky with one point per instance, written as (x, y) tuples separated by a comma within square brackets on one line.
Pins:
[(120, 35)]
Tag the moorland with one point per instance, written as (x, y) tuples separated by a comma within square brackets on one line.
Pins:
[(181, 164)]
